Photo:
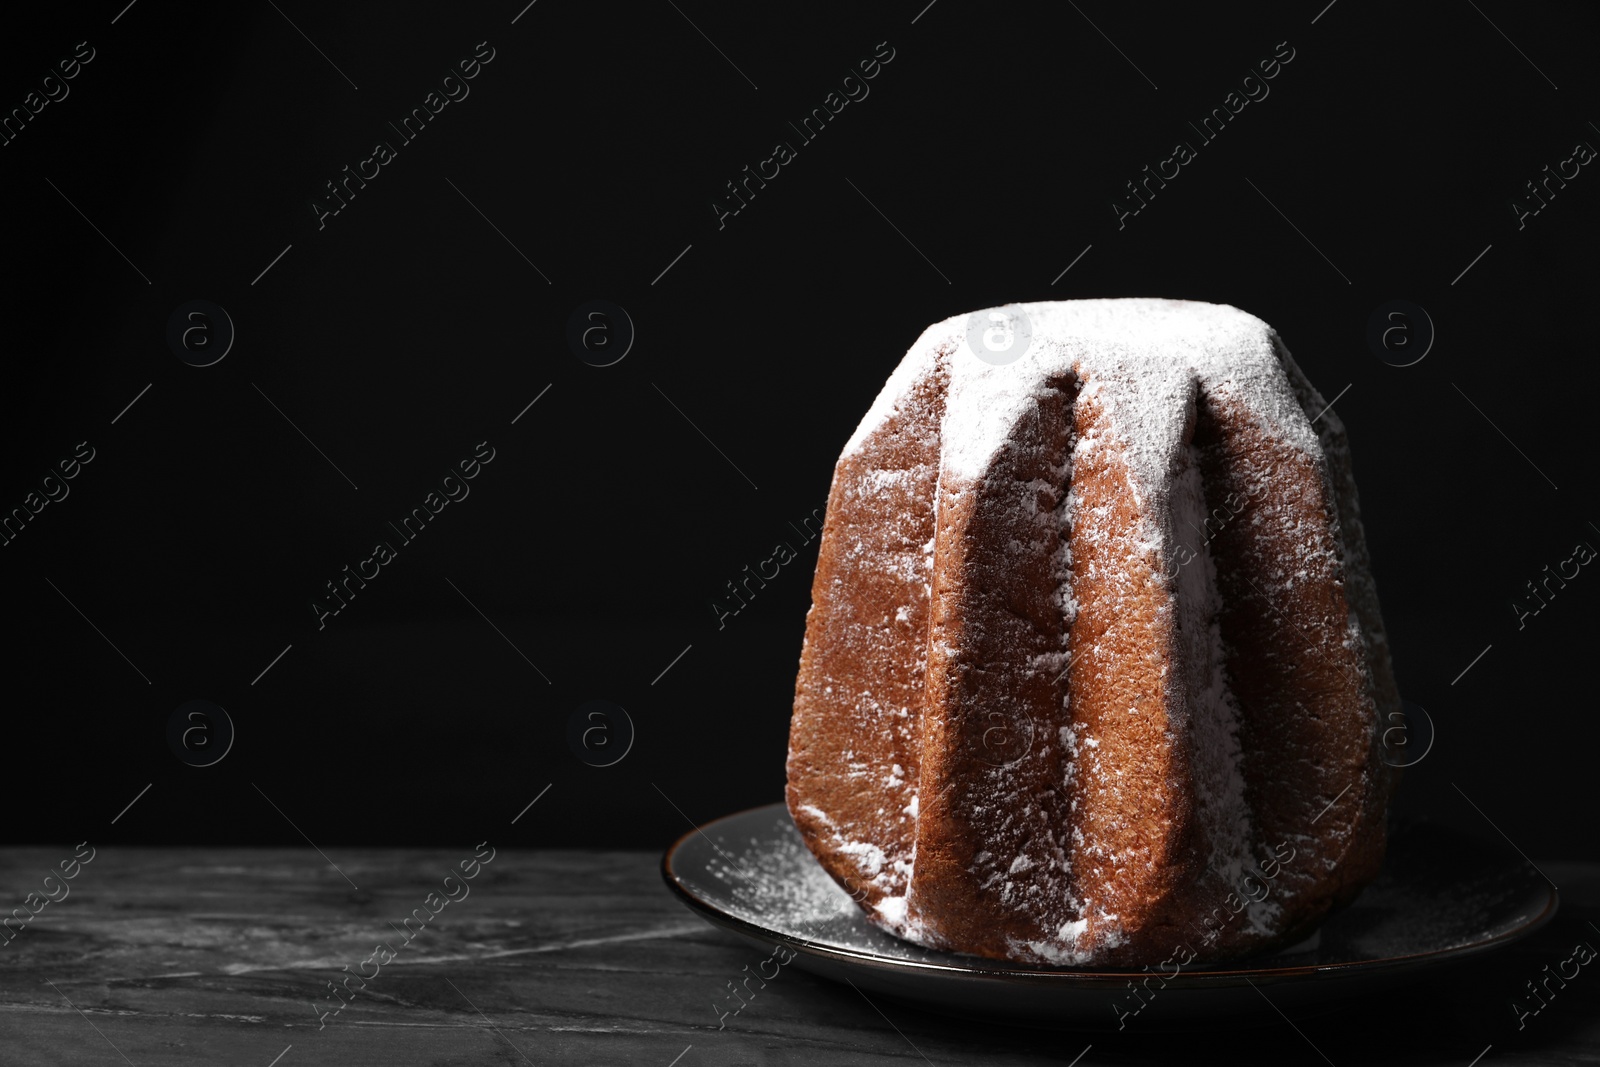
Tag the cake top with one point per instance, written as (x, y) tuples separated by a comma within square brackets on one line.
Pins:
[(1135, 353)]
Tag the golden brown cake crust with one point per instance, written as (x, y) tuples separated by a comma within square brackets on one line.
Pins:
[(1094, 661)]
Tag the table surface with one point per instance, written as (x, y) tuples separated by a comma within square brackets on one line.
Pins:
[(224, 956)]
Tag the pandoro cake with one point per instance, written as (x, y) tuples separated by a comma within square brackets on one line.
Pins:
[(1094, 665)]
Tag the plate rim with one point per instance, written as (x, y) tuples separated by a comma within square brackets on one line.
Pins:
[(983, 969)]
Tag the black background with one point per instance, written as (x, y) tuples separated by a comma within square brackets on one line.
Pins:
[(407, 330)]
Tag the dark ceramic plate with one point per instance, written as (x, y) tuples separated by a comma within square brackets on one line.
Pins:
[(1440, 897)]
